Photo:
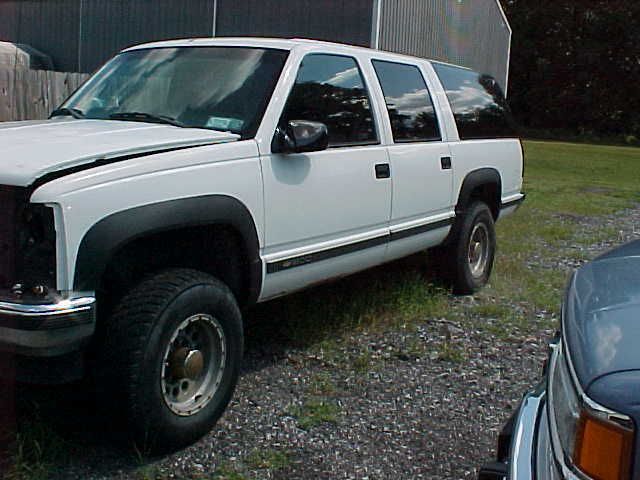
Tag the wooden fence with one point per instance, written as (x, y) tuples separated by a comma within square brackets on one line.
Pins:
[(32, 94)]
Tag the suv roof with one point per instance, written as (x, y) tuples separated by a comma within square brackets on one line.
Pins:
[(279, 43)]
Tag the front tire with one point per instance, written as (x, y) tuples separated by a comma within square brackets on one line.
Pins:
[(171, 358), (471, 253)]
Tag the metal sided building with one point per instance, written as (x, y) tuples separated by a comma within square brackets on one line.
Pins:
[(80, 35)]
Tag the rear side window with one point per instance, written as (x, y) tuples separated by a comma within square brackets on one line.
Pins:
[(411, 111), (478, 105), (330, 89)]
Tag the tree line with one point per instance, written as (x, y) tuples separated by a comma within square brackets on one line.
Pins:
[(575, 67)]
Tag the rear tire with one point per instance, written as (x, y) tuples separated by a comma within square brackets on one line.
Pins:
[(171, 358), (470, 254)]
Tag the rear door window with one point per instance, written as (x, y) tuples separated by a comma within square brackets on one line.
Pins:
[(330, 89), (411, 112), (478, 104)]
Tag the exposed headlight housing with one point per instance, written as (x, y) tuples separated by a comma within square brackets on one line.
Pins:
[(27, 243), (588, 439), (37, 248)]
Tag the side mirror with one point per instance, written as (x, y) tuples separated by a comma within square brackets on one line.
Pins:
[(300, 136)]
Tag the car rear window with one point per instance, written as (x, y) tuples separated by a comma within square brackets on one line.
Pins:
[(478, 104)]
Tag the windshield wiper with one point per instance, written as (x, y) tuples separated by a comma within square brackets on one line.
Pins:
[(145, 117), (66, 111)]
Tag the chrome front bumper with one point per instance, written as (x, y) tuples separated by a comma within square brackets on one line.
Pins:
[(53, 327), (530, 455), (525, 433), (518, 442)]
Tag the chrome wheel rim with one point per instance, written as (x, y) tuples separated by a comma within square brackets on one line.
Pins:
[(193, 364), (478, 251)]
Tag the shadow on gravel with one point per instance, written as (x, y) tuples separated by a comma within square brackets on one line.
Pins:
[(327, 311), (54, 427)]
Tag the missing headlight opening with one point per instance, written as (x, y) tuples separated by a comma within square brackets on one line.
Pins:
[(37, 249), (27, 244)]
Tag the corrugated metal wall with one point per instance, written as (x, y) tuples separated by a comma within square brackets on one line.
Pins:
[(472, 33), (80, 35), (51, 26), (345, 21), (110, 25)]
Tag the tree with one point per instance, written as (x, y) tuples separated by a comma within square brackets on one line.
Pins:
[(575, 66)]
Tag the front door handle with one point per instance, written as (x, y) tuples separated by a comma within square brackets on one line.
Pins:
[(445, 163), (383, 170)]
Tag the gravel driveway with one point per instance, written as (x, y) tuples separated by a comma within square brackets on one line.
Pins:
[(396, 403)]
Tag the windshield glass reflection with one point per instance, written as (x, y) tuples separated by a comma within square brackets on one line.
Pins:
[(219, 88)]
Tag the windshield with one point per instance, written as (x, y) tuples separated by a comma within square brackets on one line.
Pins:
[(219, 88)]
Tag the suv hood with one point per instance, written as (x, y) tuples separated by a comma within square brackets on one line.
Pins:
[(601, 316), (31, 150)]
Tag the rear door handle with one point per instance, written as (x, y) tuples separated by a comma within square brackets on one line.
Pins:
[(445, 163), (383, 170)]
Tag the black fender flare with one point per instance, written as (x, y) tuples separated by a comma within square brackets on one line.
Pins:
[(475, 179), (109, 235)]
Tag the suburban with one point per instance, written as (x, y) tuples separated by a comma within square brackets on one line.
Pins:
[(188, 179)]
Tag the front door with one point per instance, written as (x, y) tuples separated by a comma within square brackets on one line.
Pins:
[(327, 212)]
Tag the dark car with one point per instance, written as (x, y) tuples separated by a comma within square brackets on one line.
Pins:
[(581, 420)]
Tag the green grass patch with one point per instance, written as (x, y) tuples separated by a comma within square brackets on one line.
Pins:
[(493, 310), (449, 352), (580, 179), (315, 412), (363, 362), (322, 383), (37, 451), (564, 183), (226, 471), (148, 472), (268, 460)]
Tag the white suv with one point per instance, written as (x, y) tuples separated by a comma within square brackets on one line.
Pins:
[(189, 178)]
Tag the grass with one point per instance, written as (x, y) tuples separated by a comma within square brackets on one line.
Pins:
[(259, 461), (322, 384), (450, 353), (564, 182), (268, 460), (315, 412), (580, 179), (147, 472), (226, 471), (36, 451), (363, 362)]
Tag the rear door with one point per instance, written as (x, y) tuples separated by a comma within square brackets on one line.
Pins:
[(327, 212), (421, 164)]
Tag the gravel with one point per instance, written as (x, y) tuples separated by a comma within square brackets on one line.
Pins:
[(420, 401)]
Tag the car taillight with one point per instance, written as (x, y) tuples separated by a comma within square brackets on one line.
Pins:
[(603, 449)]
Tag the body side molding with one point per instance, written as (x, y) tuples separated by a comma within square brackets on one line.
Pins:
[(298, 261), (112, 233)]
